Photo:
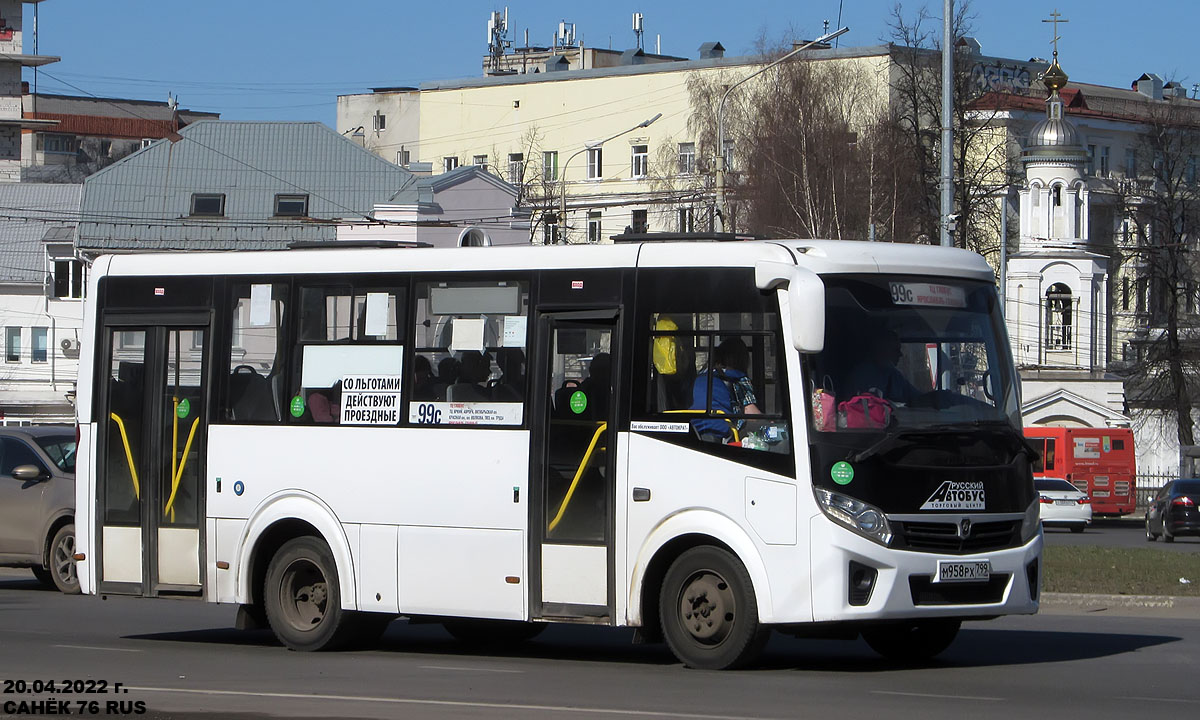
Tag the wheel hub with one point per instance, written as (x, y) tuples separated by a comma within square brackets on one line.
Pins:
[(707, 608)]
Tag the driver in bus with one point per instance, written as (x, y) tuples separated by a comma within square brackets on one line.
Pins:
[(878, 374)]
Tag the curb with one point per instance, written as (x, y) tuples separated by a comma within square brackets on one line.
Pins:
[(1183, 606)]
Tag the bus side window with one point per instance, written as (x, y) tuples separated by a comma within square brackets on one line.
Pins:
[(349, 330), (469, 342), (254, 390), (1048, 459)]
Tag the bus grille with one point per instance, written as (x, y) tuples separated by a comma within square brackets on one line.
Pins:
[(926, 592), (943, 536)]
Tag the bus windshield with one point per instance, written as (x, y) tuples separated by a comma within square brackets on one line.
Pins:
[(905, 352)]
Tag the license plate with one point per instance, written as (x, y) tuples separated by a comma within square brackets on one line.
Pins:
[(1064, 502), (956, 571)]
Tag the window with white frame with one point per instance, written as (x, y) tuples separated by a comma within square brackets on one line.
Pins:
[(595, 163), (147, 142), (403, 157), (480, 161), (641, 161), (378, 121), (687, 158), (594, 226), (687, 220), (550, 165), (1104, 154), (12, 344), (1131, 168), (208, 204), (68, 277), (291, 205), (40, 344), (516, 168), (449, 163), (550, 228), (1090, 169)]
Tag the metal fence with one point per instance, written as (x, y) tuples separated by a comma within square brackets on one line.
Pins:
[(1148, 484)]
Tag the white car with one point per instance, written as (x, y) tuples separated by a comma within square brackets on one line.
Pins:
[(1062, 504)]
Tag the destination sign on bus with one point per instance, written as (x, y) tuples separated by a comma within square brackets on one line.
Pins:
[(928, 294)]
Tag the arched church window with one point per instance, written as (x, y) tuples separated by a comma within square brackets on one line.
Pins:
[(1056, 193), (1059, 317)]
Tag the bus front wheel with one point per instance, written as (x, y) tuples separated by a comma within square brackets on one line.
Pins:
[(709, 612), (912, 641), (303, 598)]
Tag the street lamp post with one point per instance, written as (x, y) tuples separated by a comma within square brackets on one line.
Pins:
[(562, 173), (721, 211)]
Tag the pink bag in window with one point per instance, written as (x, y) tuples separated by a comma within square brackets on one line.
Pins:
[(824, 409), (864, 411)]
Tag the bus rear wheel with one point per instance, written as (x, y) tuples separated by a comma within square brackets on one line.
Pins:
[(303, 599), (912, 641), (709, 612)]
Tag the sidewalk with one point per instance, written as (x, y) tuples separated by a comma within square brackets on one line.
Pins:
[(1168, 606)]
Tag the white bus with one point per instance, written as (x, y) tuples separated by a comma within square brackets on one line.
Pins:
[(706, 441)]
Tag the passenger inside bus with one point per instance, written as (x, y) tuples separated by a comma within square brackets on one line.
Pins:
[(447, 376), (878, 374), (730, 389), (474, 368), (598, 386), (423, 379), (510, 387), (325, 405)]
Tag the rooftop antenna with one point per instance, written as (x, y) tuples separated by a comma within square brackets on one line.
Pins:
[(1195, 90), (497, 38), (637, 28)]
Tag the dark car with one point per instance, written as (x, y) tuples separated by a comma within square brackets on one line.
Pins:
[(1174, 511), (37, 503)]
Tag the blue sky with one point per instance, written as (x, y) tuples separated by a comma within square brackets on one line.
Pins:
[(277, 60)]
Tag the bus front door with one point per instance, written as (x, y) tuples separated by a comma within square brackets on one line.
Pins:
[(573, 474), (153, 431)]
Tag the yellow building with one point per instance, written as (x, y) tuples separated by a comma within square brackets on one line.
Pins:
[(538, 129)]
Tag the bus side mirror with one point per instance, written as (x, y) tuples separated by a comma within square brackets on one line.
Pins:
[(806, 301)]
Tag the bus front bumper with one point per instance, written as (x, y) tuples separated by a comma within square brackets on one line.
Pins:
[(857, 579)]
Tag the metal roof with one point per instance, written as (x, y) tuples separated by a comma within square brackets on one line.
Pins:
[(27, 212), (143, 202)]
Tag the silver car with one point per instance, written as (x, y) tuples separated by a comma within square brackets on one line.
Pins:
[(37, 503)]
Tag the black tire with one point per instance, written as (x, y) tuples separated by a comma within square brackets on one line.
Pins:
[(709, 612), (43, 576), (912, 642), (493, 633), (1077, 528), (303, 598), (61, 568)]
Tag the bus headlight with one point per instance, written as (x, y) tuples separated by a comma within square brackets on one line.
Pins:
[(866, 520), (1031, 524)]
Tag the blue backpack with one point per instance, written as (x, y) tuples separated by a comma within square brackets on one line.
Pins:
[(722, 401)]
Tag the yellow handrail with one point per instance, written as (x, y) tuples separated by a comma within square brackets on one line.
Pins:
[(137, 491), (187, 446), (701, 412), (587, 456)]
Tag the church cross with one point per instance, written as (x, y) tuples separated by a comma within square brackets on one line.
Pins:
[(1056, 17)]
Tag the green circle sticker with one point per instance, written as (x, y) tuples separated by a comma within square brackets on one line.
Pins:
[(842, 473), (578, 401), (183, 408), (297, 406)]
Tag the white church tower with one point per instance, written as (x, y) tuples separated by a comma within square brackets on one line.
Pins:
[(1057, 289)]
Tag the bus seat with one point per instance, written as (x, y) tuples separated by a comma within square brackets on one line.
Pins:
[(250, 396)]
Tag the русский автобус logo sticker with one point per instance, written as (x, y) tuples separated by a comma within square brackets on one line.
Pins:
[(957, 496)]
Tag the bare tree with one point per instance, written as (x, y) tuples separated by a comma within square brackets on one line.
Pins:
[(983, 161), (1162, 207)]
